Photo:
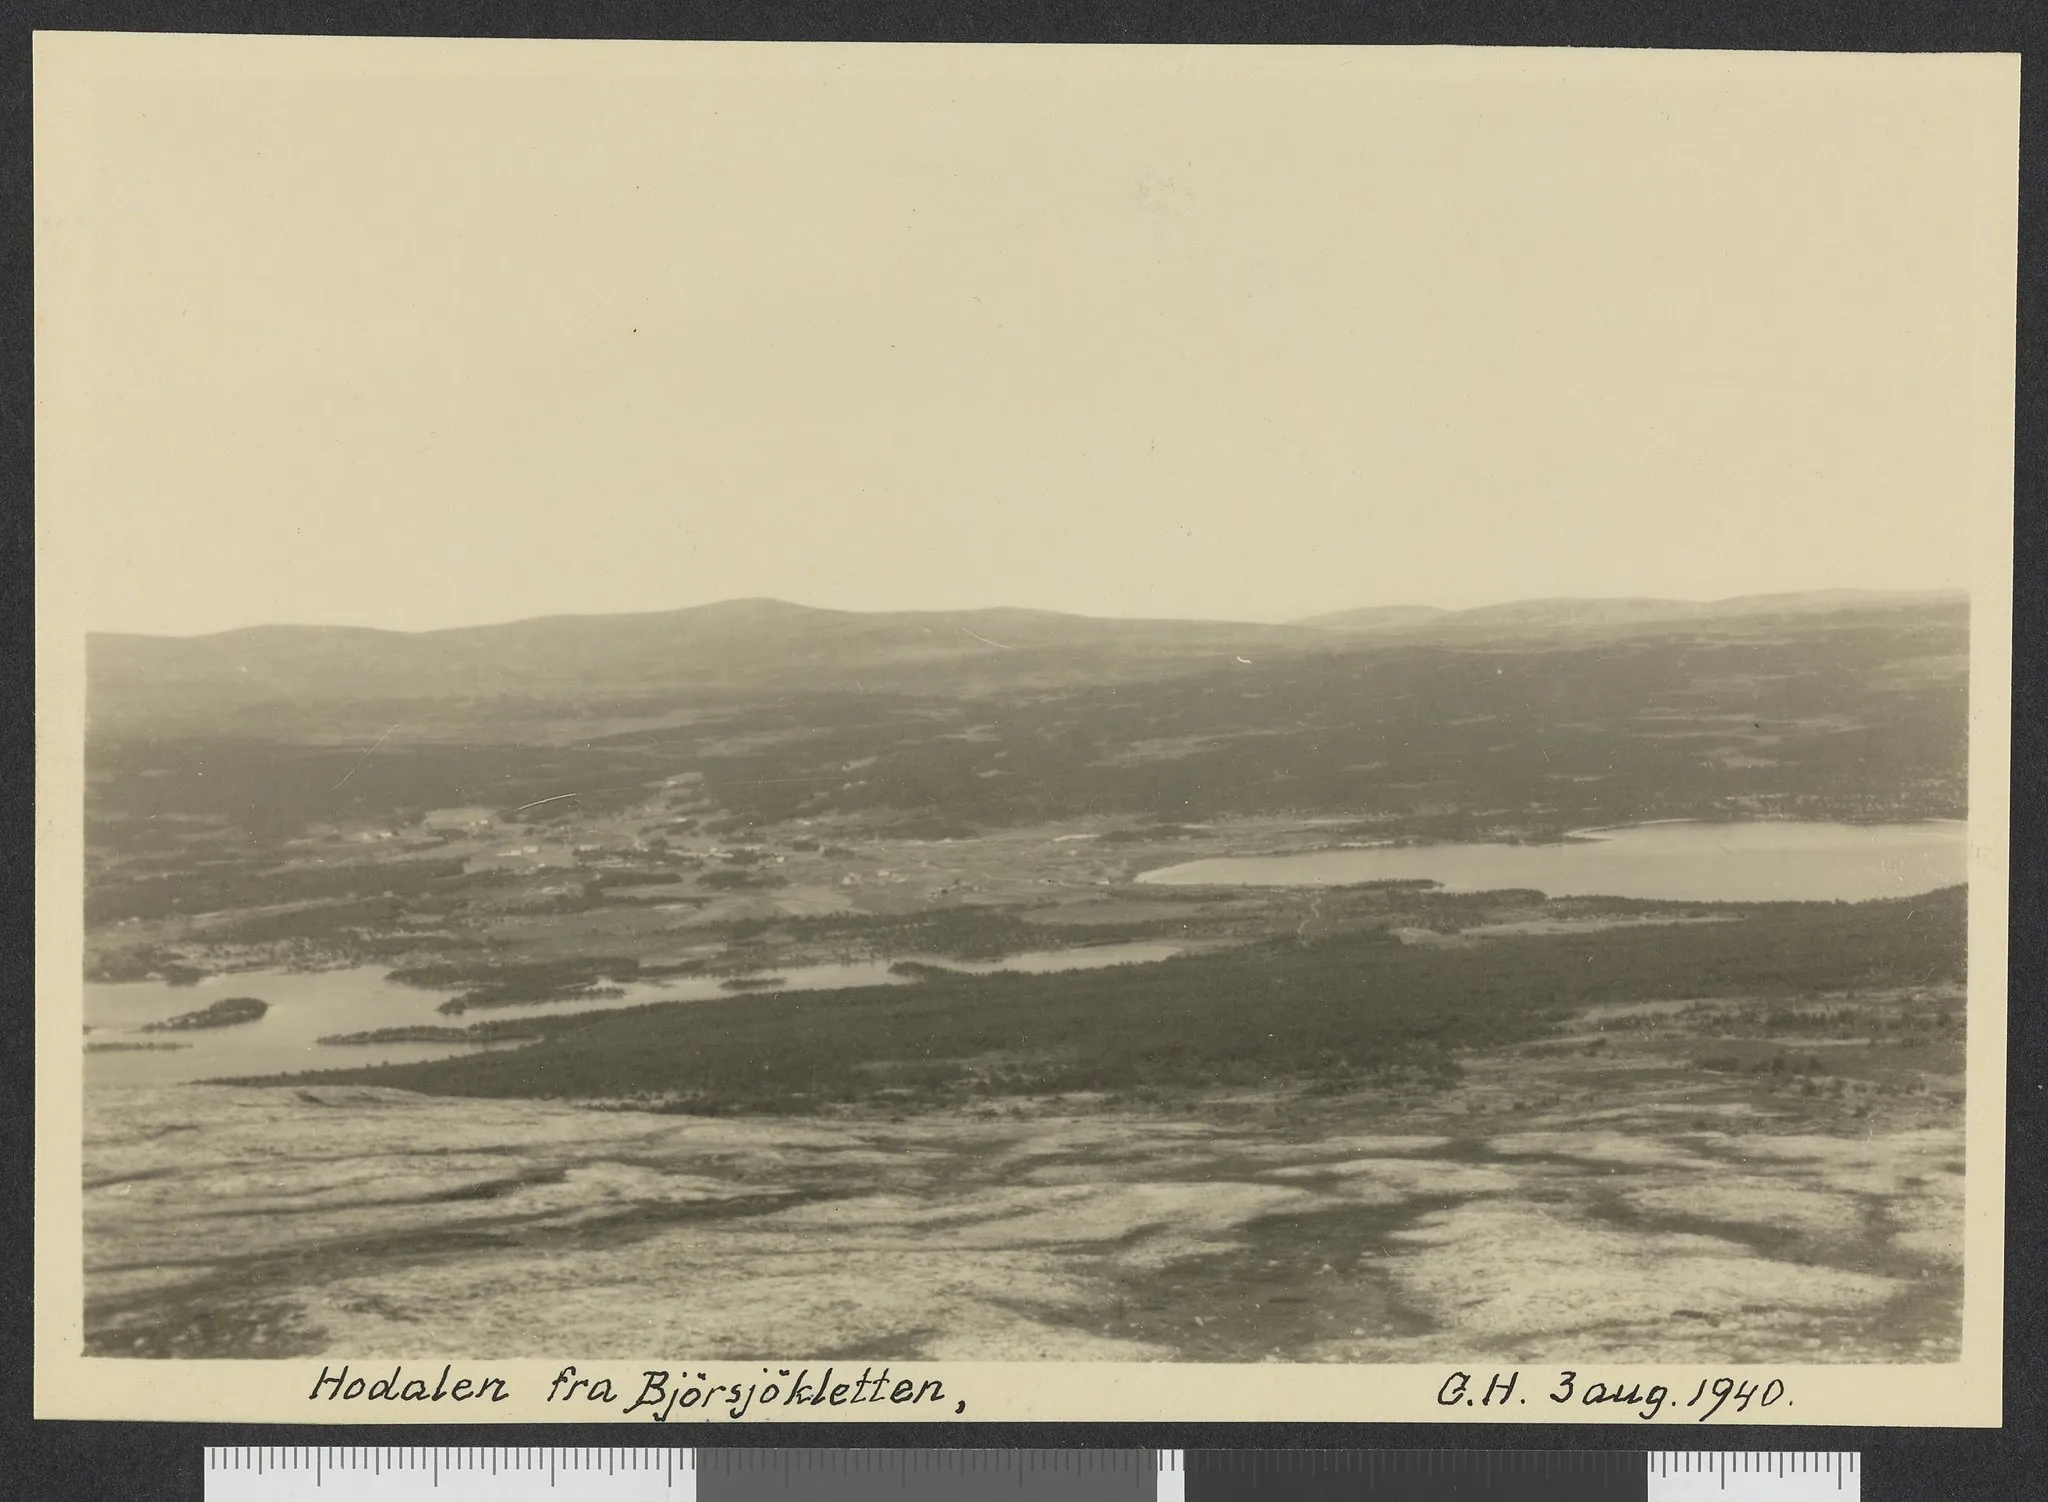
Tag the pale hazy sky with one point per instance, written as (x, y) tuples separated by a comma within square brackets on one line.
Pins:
[(416, 335)]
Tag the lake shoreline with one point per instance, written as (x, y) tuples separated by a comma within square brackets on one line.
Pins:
[(401, 1013), (1665, 859)]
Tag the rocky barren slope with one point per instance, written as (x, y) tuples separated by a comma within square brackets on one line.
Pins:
[(1535, 1209)]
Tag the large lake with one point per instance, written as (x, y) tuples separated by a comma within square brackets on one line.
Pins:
[(306, 1006), (1681, 862)]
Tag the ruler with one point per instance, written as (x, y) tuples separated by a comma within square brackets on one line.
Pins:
[(641, 1474)]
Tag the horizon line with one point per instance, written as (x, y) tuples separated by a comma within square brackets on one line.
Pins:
[(797, 606)]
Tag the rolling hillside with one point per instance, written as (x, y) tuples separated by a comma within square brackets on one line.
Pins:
[(741, 646), (270, 678)]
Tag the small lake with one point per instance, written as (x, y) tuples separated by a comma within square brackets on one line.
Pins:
[(306, 1006), (1677, 862)]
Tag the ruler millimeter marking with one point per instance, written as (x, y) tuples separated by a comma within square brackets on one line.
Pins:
[(471, 1473), (1793, 1476), (734, 1474), (920, 1475), (1520, 1475)]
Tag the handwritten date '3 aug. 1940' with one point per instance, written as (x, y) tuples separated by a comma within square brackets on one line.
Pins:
[(1643, 1400)]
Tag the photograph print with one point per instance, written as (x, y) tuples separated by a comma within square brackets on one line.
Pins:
[(1044, 708)]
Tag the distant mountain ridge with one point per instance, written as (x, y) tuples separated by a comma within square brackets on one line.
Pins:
[(1568, 613), (731, 646), (765, 645)]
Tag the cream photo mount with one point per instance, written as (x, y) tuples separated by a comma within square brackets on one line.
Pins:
[(348, 105)]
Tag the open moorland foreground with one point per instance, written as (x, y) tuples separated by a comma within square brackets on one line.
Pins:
[(760, 981)]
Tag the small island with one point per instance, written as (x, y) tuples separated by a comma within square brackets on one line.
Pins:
[(110, 1046), (230, 1011), (919, 970), (482, 1032), (752, 983)]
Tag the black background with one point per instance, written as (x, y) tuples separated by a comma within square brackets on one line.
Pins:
[(163, 1461)]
